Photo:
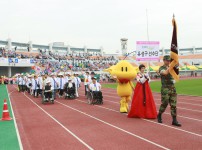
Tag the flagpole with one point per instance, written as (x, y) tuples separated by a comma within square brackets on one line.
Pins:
[(148, 63)]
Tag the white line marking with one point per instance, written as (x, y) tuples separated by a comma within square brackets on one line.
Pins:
[(16, 127), (191, 98), (11, 92), (60, 123), (115, 127), (164, 112), (179, 101), (159, 104), (150, 121)]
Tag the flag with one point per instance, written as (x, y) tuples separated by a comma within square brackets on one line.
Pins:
[(174, 65)]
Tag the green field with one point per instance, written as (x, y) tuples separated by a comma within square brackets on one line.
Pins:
[(8, 136), (185, 87)]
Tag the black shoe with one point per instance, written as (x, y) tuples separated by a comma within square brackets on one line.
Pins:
[(175, 122), (159, 118)]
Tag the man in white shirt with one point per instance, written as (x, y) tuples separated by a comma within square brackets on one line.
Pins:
[(35, 86), (87, 78), (40, 78), (66, 77), (19, 82), (54, 84), (77, 82), (48, 89), (61, 83), (24, 80), (29, 83), (69, 88), (95, 87)]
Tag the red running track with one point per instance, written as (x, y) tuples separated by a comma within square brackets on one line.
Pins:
[(73, 124)]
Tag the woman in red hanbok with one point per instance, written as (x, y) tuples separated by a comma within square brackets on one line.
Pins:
[(142, 105)]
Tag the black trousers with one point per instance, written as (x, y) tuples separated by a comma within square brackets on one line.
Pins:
[(20, 87), (48, 95), (36, 92), (86, 87), (61, 91)]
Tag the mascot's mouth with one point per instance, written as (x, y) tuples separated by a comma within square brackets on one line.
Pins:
[(124, 80)]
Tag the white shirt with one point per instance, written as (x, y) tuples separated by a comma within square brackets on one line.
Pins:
[(54, 83), (70, 85), (61, 83), (20, 81), (28, 82), (66, 79), (40, 82), (95, 87), (77, 81), (34, 84), (24, 80)]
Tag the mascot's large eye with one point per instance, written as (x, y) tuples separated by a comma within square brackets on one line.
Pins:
[(126, 69), (122, 69)]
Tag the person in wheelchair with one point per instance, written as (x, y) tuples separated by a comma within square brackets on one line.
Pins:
[(48, 92), (70, 89), (95, 92)]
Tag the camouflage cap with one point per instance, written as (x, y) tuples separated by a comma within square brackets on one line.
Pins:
[(166, 57)]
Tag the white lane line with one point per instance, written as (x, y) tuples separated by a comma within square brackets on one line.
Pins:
[(159, 104), (16, 127), (149, 120), (80, 140), (11, 91), (144, 139), (191, 98), (179, 101), (164, 112)]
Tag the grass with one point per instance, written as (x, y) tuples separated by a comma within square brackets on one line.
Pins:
[(8, 136), (185, 87)]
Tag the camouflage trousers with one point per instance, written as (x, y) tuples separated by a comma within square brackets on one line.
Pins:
[(168, 95)]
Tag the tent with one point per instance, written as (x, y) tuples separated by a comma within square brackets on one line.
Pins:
[(192, 67), (199, 67)]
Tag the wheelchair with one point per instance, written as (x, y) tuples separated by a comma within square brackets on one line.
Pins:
[(95, 97), (70, 93), (44, 100)]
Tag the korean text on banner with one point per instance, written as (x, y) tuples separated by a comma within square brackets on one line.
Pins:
[(147, 51)]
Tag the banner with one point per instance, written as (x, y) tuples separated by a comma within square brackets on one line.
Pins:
[(24, 61), (31, 61), (3, 60), (16, 60), (11, 60), (147, 51)]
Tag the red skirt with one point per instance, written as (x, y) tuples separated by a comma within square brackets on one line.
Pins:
[(142, 105)]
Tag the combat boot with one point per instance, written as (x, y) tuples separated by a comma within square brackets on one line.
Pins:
[(175, 122), (159, 118)]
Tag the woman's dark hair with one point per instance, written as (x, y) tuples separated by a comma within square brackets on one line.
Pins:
[(141, 66)]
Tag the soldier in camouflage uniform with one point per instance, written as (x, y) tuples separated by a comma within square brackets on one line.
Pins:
[(168, 92)]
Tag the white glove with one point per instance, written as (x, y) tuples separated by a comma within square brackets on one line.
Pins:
[(142, 80)]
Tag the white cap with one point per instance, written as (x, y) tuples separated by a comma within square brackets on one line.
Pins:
[(60, 74)]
